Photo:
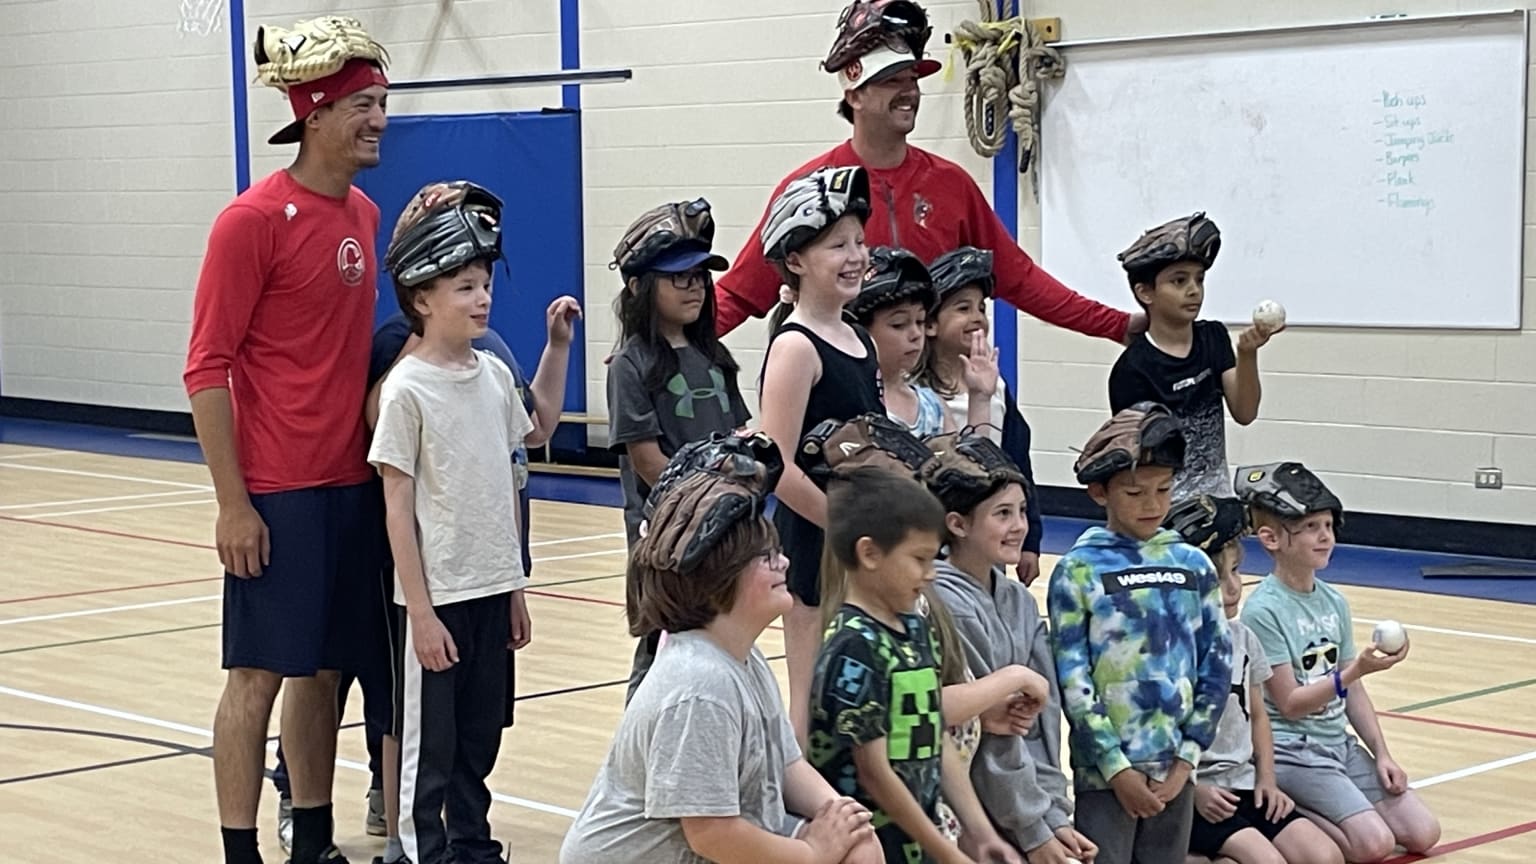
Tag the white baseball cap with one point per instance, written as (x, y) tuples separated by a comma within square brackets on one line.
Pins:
[(882, 63)]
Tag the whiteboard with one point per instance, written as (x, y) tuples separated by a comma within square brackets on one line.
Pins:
[(1367, 175)]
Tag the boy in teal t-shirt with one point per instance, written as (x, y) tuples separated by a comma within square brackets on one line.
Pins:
[(1357, 794)]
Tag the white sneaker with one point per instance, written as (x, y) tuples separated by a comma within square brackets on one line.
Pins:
[(285, 824)]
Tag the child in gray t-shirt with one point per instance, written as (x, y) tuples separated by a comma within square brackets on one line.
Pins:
[(1240, 812), (704, 763)]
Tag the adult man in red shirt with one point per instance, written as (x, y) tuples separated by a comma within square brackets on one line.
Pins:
[(920, 202), (277, 373)]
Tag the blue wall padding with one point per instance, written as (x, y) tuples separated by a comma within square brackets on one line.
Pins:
[(531, 160)]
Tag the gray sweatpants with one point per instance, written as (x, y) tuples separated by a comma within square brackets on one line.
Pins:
[(1123, 839)]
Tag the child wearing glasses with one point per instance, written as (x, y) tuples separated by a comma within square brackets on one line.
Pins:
[(671, 381)]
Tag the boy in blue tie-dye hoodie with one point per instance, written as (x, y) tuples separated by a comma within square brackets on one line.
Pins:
[(1143, 652)]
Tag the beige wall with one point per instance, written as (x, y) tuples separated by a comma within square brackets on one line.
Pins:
[(116, 152)]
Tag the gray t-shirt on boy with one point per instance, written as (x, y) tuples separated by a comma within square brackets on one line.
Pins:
[(705, 735), (1228, 762)]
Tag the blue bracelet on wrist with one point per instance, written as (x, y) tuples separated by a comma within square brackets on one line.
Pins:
[(1338, 685)]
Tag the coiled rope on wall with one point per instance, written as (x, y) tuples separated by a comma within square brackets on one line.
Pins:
[(1005, 61)]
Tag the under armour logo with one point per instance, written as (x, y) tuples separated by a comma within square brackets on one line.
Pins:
[(678, 386)]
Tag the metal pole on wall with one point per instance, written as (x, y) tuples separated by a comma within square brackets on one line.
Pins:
[(239, 93), (1005, 200)]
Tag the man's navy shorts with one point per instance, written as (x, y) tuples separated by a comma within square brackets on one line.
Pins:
[(317, 604)]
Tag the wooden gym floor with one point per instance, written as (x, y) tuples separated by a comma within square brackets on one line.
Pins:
[(109, 611)]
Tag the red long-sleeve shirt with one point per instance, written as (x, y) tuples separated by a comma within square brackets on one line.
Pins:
[(283, 317), (929, 206)]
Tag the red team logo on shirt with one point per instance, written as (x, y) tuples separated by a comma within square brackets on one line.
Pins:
[(350, 262)]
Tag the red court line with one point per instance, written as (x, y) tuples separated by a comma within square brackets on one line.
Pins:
[(1473, 727), (91, 591), (105, 531), (1466, 843)]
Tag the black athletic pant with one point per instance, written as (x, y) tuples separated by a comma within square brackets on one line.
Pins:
[(451, 724)]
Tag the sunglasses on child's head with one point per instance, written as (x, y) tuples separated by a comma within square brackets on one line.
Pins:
[(1309, 660)]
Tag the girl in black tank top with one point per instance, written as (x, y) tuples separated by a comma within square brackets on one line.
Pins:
[(818, 367)]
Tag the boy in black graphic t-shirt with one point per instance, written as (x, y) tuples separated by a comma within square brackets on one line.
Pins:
[(1183, 363)]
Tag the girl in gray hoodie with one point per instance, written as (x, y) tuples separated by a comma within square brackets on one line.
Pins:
[(1018, 777)]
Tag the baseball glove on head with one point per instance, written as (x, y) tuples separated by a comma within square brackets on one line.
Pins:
[(665, 231), (834, 449), (1288, 489), (707, 488), (1146, 433), (1188, 238), (865, 25), (312, 50), (895, 275), (1207, 522), (967, 467)]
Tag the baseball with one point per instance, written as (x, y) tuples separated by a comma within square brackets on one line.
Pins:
[(1389, 637), (1269, 316)]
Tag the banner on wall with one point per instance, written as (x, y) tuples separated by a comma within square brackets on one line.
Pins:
[(532, 161)]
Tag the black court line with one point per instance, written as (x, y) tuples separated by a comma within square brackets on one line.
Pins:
[(106, 638), (580, 688), (176, 750), (72, 642)]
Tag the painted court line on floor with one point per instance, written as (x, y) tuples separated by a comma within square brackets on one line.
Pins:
[(1462, 697), (1524, 640), (1453, 724), (1467, 843), (107, 610), (37, 455), (101, 500), (118, 509), (271, 746), (99, 476), (1473, 769), (130, 607), (619, 535)]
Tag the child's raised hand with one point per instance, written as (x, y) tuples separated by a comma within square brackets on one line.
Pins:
[(1215, 804), (1135, 795), (1255, 337), (560, 320), (1392, 776), (979, 366), (1275, 805)]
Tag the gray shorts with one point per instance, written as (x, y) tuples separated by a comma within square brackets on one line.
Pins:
[(1335, 781)]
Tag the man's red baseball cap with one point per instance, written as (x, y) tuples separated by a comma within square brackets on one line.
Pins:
[(308, 97)]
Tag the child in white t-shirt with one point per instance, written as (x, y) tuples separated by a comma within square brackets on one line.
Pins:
[(449, 421)]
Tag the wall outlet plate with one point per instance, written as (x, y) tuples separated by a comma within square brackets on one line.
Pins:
[(1048, 28), (1488, 478)]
